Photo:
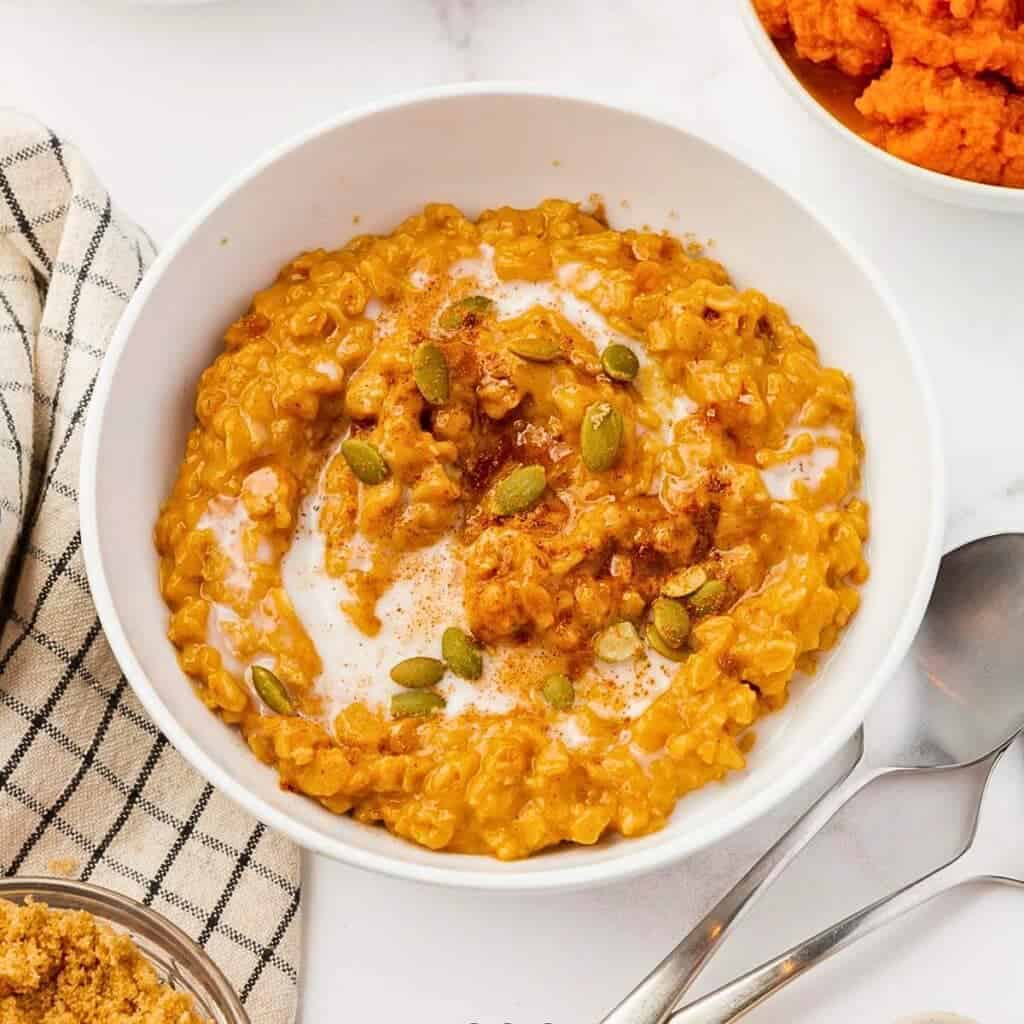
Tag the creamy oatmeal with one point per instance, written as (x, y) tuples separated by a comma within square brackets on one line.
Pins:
[(504, 533)]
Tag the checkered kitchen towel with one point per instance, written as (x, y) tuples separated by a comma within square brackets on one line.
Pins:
[(88, 785)]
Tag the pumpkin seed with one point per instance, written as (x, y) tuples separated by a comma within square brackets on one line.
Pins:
[(461, 653), (671, 621), (620, 362), (618, 642), (271, 691), (459, 313), (418, 673), (414, 703), (520, 490), (685, 582), (430, 371), (601, 436), (365, 461), (708, 598), (536, 348), (658, 642), (558, 691)]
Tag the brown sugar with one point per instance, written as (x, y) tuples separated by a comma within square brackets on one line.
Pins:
[(66, 967)]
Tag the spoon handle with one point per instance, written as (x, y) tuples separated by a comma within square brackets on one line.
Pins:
[(653, 1000), (736, 999)]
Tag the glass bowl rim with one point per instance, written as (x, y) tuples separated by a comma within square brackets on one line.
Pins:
[(123, 912)]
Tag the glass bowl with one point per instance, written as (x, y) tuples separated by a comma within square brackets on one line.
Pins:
[(179, 962)]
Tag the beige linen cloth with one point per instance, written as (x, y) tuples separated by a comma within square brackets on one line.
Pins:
[(88, 785)]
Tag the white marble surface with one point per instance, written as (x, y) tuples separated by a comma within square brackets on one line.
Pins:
[(167, 103)]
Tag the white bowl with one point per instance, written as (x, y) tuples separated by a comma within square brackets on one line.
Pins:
[(943, 187), (479, 146)]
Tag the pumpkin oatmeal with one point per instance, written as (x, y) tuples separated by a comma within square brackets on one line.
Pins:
[(503, 533)]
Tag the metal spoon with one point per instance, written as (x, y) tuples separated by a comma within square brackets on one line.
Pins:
[(959, 700), (987, 857)]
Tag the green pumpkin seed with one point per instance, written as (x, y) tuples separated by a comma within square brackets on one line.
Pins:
[(430, 371), (520, 490), (418, 673), (618, 642), (671, 621), (601, 436), (659, 643), (415, 703), (461, 653), (708, 598), (620, 362), (459, 313), (536, 348), (271, 691), (685, 582), (365, 461), (558, 691)]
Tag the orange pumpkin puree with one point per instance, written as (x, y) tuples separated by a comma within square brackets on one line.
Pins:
[(936, 82)]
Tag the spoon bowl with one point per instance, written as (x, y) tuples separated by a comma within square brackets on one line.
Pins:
[(967, 658)]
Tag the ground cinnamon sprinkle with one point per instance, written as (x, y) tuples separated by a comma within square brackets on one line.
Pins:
[(66, 967)]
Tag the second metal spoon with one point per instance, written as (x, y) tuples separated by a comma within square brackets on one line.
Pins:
[(987, 857), (959, 701)]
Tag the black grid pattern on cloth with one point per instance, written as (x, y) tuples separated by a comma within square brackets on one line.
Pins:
[(85, 776)]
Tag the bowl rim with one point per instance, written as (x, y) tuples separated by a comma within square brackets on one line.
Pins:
[(123, 912), (976, 194), (507, 878)]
